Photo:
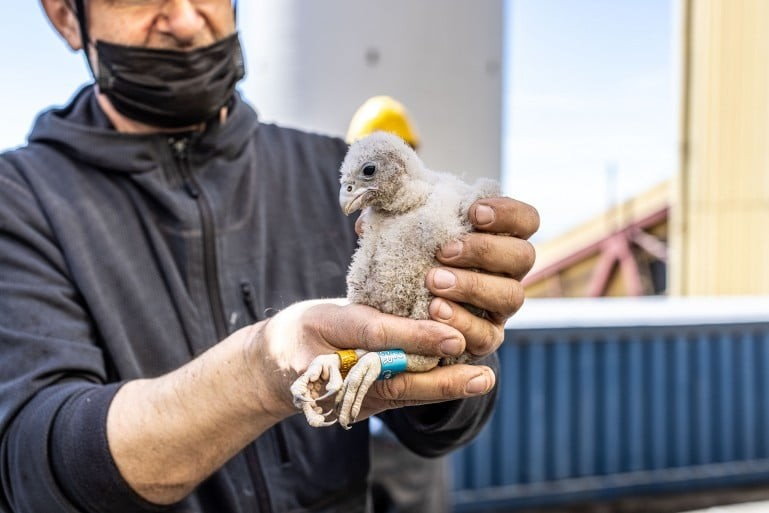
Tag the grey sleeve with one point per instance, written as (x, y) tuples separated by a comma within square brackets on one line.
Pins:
[(437, 429), (53, 396)]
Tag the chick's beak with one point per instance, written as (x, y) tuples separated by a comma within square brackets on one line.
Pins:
[(350, 201)]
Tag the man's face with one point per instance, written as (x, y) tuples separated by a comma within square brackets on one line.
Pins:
[(170, 24)]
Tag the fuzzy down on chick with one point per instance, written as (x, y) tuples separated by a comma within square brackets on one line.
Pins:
[(413, 212)]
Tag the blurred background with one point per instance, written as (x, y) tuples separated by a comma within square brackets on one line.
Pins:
[(636, 377)]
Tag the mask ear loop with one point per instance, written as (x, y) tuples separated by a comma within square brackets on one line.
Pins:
[(84, 38), (80, 13)]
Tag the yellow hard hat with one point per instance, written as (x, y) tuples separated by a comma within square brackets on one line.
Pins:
[(385, 114)]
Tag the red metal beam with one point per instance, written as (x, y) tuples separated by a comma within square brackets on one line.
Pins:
[(592, 249)]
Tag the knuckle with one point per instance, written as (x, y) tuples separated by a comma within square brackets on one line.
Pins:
[(535, 219), (427, 336), (394, 390), (489, 342), (517, 296), (527, 221), (528, 255), (499, 336), (516, 220), (311, 316), (371, 332), (465, 322), (312, 323), (471, 283), (480, 247), (447, 389), (361, 333), (512, 298), (426, 331)]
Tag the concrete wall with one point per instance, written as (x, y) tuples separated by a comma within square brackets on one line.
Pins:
[(312, 63)]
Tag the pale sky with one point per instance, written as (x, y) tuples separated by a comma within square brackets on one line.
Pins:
[(589, 84)]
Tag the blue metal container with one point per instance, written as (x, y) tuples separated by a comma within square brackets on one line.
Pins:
[(606, 398)]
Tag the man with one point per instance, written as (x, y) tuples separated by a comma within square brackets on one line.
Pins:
[(143, 230)]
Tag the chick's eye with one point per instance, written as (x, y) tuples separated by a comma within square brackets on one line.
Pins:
[(349, 188), (369, 170)]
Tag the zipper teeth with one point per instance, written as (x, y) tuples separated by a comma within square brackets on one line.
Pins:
[(209, 258), (209, 248), (280, 437), (180, 147), (252, 457)]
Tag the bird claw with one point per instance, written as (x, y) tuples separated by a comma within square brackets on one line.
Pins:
[(329, 392), (316, 418), (306, 389), (349, 391)]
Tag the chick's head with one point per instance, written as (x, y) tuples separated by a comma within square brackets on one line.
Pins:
[(375, 172)]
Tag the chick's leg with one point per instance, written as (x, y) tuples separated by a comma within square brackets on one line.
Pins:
[(356, 385), (362, 376)]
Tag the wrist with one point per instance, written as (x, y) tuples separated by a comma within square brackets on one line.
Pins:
[(267, 381)]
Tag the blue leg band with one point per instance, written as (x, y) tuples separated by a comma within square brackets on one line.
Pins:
[(393, 362)]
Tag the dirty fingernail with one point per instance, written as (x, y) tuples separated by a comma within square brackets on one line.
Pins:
[(477, 385), (444, 279), (444, 311), (451, 347), (484, 215), (451, 249)]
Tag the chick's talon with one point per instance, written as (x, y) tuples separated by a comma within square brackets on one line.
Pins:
[(316, 418), (306, 390)]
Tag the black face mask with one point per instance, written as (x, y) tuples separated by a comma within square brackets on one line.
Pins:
[(170, 88)]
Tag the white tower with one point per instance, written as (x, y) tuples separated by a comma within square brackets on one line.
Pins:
[(312, 63)]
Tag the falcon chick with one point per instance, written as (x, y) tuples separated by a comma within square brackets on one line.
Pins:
[(413, 212)]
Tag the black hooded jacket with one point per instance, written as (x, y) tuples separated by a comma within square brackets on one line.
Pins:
[(125, 256)]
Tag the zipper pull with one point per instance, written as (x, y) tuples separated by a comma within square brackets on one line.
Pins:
[(180, 148), (247, 291)]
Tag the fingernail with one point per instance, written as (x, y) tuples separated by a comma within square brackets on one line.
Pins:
[(444, 311), (451, 249), (477, 385), (451, 347), (484, 215), (444, 279)]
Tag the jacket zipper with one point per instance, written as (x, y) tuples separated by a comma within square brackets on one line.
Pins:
[(180, 146), (247, 292), (255, 467)]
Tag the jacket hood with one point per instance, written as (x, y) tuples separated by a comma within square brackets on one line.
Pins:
[(82, 130)]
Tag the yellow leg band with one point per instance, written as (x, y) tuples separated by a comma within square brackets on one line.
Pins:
[(347, 359)]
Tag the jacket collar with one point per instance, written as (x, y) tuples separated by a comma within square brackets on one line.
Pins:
[(82, 130)]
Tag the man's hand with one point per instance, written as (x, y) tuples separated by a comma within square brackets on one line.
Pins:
[(289, 341), (167, 434), (503, 262)]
